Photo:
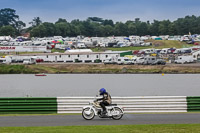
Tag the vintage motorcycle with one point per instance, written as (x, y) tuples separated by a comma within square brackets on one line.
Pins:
[(113, 111)]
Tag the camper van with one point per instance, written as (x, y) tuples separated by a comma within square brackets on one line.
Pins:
[(148, 60), (29, 61), (6, 60), (184, 59), (196, 55)]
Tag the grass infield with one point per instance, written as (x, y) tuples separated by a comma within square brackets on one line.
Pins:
[(175, 128)]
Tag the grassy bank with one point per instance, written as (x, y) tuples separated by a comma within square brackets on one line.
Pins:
[(95, 68), (101, 68), (176, 128)]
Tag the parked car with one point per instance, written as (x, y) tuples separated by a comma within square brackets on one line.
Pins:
[(109, 61), (159, 62), (39, 60)]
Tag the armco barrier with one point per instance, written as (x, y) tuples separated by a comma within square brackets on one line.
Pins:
[(74, 104), (28, 105), (193, 104), (130, 104)]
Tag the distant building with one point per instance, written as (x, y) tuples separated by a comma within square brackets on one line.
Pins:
[(27, 35)]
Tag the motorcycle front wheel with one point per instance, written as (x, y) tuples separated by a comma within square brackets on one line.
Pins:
[(119, 112), (86, 115)]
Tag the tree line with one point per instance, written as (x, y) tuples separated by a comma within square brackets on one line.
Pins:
[(95, 26)]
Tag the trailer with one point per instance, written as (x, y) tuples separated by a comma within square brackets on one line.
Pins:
[(184, 59)]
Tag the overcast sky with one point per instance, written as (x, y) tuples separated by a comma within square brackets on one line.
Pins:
[(117, 10)]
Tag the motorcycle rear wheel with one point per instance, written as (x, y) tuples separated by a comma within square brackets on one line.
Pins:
[(86, 116)]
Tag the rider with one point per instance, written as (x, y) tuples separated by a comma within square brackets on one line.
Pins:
[(106, 100)]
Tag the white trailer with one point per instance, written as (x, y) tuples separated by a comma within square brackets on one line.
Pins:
[(184, 59), (196, 55)]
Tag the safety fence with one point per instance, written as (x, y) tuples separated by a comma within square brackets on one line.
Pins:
[(145, 104), (193, 104), (130, 104), (28, 105)]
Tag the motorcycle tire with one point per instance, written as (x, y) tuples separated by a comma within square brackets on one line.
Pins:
[(88, 117)]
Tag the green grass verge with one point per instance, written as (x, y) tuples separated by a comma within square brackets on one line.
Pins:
[(14, 69), (176, 128), (57, 50)]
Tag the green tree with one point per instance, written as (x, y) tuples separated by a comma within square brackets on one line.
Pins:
[(132, 29), (49, 29), (36, 21), (164, 27), (108, 22), (7, 31), (108, 30), (19, 26), (62, 29), (121, 29), (38, 31), (95, 19), (8, 17), (61, 20), (154, 28)]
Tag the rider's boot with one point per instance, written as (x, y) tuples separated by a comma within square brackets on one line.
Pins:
[(104, 112)]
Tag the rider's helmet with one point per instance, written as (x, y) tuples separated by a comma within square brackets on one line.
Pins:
[(102, 91)]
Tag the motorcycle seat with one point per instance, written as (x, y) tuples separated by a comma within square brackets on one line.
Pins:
[(112, 105)]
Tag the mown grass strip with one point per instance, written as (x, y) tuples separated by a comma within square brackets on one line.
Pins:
[(176, 128)]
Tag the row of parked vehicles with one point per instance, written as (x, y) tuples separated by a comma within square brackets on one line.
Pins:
[(148, 60)]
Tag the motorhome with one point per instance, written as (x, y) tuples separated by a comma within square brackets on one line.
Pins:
[(81, 45), (149, 60)]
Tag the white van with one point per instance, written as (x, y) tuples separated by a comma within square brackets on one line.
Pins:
[(139, 60), (125, 61), (164, 51), (6, 60), (29, 61), (109, 61)]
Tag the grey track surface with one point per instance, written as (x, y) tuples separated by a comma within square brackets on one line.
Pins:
[(72, 120)]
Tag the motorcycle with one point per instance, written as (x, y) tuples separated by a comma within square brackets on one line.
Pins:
[(113, 111)]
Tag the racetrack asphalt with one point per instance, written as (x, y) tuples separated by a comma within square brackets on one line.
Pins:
[(75, 120)]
